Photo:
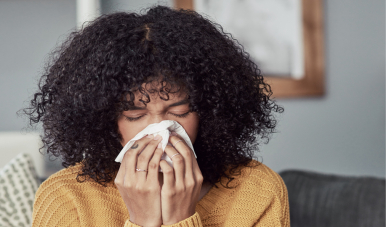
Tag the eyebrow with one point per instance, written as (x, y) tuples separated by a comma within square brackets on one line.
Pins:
[(182, 102), (179, 103)]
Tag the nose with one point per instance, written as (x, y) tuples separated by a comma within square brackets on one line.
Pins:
[(157, 118)]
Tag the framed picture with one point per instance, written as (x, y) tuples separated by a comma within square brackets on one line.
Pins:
[(283, 37)]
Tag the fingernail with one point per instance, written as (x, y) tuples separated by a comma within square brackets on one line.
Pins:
[(150, 136), (174, 133), (157, 137), (159, 145)]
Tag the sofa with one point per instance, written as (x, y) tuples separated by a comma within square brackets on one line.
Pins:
[(323, 200)]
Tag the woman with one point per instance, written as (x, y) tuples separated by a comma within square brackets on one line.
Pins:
[(125, 71)]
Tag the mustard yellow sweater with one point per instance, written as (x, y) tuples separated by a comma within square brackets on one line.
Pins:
[(260, 199)]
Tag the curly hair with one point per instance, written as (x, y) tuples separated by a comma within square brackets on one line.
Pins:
[(91, 78)]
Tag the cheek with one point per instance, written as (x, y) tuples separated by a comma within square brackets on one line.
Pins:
[(191, 126), (128, 130)]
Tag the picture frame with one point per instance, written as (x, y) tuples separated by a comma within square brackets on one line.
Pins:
[(312, 83)]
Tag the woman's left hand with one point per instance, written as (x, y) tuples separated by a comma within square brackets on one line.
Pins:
[(181, 183)]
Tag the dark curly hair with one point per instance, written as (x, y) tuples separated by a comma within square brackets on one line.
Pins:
[(91, 78)]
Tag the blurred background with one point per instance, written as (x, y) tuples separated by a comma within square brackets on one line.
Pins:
[(341, 132)]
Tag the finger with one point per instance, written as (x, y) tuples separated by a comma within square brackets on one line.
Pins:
[(131, 155), (121, 172), (168, 173), (145, 156), (178, 163), (180, 145), (152, 173), (196, 170)]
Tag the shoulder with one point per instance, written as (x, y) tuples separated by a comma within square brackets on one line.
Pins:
[(53, 199), (257, 195), (63, 187), (260, 181), (264, 177), (55, 189), (63, 200), (57, 182), (265, 192), (65, 180), (272, 193), (69, 173)]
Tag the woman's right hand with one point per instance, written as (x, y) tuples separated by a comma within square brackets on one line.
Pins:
[(140, 190)]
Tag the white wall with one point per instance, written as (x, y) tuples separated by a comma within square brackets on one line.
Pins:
[(342, 132)]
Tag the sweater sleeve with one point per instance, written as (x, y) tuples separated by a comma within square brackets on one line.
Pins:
[(285, 216), (128, 223), (278, 210), (53, 209), (192, 221)]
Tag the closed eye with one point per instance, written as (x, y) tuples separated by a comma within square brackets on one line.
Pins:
[(177, 115), (134, 118), (181, 115)]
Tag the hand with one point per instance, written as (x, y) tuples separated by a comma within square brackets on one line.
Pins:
[(140, 190), (181, 183)]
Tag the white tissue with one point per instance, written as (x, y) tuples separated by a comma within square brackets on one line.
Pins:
[(164, 128)]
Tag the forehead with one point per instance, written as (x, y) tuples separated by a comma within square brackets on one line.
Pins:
[(159, 90), (158, 97)]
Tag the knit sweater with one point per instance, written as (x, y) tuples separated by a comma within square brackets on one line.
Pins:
[(259, 198)]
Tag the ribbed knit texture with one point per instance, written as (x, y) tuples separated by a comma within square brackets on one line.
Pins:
[(259, 199)]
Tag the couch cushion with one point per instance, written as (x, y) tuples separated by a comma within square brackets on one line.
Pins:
[(18, 185), (320, 200)]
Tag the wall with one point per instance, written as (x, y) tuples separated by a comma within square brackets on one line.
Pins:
[(28, 31), (131, 5), (342, 132)]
